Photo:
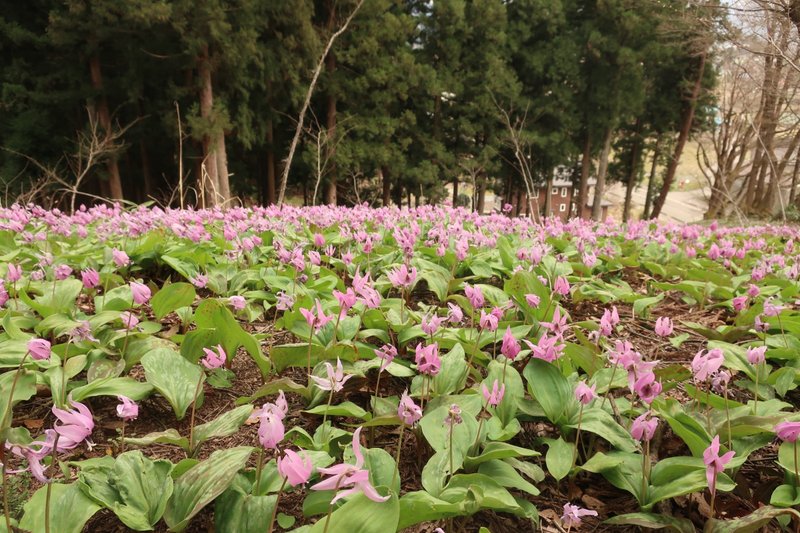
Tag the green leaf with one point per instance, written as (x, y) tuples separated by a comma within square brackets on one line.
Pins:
[(202, 483), (453, 373), (559, 458), (169, 436), (174, 377), (551, 389), (225, 424), (24, 390), (601, 423), (343, 409), (112, 386), (750, 523), (499, 450), (420, 506), (653, 521), (70, 509), (238, 511), (505, 475), (296, 354), (136, 488), (282, 384), (172, 297), (363, 515), (785, 496)]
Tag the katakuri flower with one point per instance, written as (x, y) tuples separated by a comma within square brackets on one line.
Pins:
[(296, 470), (335, 379), (664, 327), (714, 463), (573, 514), (39, 349), (408, 412), (127, 409), (788, 431), (213, 359), (347, 475), (495, 396), (510, 347), (584, 393), (644, 427)]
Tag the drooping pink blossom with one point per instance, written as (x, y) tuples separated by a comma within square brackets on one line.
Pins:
[(335, 378), (510, 347), (214, 359), (755, 355), (237, 302), (408, 412), (387, 353), (475, 296), (573, 514), (495, 396), (39, 349), (141, 292), (715, 464), (427, 359), (127, 409), (584, 393), (561, 286), (788, 431), (294, 468), (346, 475), (664, 327), (90, 278), (402, 277), (706, 363), (644, 427)]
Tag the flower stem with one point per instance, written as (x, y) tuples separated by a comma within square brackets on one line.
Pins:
[(577, 437), (480, 427), (6, 510), (330, 510), (397, 455), (122, 439), (325, 415), (194, 407), (275, 509), (755, 392), (11, 395), (645, 471), (505, 364), (796, 475), (728, 417), (50, 487), (308, 356), (450, 451), (610, 383), (64, 376), (259, 468)]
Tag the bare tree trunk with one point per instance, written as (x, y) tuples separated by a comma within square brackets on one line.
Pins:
[(270, 164), (602, 169), (586, 167), (222, 168), (147, 175), (481, 195), (548, 195), (633, 172), (210, 182), (397, 193), (387, 185), (683, 136), (455, 191), (651, 182), (103, 115), (330, 121), (795, 172), (307, 102)]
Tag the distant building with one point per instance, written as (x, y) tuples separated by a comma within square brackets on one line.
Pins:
[(561, 193)]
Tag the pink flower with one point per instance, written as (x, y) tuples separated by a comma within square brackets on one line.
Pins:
[(739, 303), (213, 359), (494, 397), (704, 364), (402, 277), (316, 321), (387, 352), (62, 272), (532, 300), (75, 426), (39, 349), (643, 428), (129, 320), (455, 315), (756, 355), (547, 349), (407, 411), (120, 258), (559, 323), (335, 379), (237, 302), (453, 415), (608, 321), (430, 323), (788, 431), (474, 295), (296, 470), (510, 347), (200, 281), (284, 301), (573, 514), (427, 359), (714, 463), (561, 286), (664, 327), (753, 291), (647, 387), (488, 321), (141, 292), (343, 475), (770, 309), (90, 278), (14, 273), (270, 430), (584, 393), (127, 410), (319, 240), (346, 300)]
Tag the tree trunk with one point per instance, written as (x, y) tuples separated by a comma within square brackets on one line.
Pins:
[(602, 169), (397, 193), (683, 136), (455, 191), (651, 182), (146, 174), (548, 195), (103, 115), (795, 172), (633, 172), (586, 167), (222, 169), (330, 121), (481, 194), (387, 185), (270, 164), (210, 182)]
